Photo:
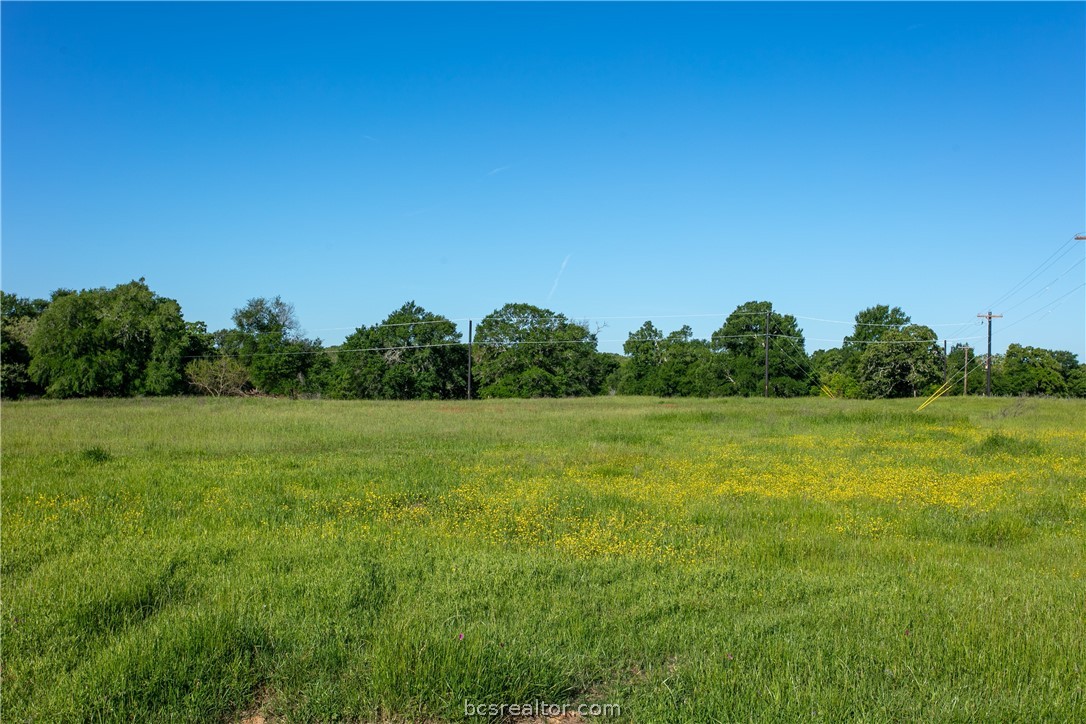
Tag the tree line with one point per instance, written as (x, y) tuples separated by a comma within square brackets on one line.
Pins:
[(129, 341)]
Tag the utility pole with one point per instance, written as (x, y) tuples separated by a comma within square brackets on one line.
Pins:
[(469, 359), (767, 352), (988, 362), (946, 364)]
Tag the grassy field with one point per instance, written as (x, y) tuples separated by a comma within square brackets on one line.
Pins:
[(686, 560)]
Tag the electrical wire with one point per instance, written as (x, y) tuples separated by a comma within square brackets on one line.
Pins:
[(572, 319), (1051, 260), (485, 343), (1047, 308), (811, 373), (1046, 288), (951, 383), (874, 324), (1060, 252), (894, 341)]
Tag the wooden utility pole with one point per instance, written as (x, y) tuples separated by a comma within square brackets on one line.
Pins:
[(946, 364), (988, 362), (767, 352), (469, 359)]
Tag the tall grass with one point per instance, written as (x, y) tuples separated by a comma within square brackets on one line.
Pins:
[(688, 560)]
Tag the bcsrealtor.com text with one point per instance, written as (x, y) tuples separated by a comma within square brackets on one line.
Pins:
[(540, 709)]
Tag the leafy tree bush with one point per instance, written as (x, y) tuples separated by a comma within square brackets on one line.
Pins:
[(675, 365), (739, 368), (121, 341), (1031, 371), (18, 317), (526, 351), (413, 354), (1076, 381), (885, 356), (873, 323), (905, 363), (217, 376), (611, 369), (871, 327), (267, 340), (833, 370), (973, 383), (644, 351)]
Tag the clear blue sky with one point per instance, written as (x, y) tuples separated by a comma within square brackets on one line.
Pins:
[(613, 162)]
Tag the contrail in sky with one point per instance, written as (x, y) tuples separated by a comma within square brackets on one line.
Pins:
[(555, 285)]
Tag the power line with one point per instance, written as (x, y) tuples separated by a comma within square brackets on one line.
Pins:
[(949, 384), (390, 324), (811, 373), (517, 343), (1060, 252), (893, 341), (876, 324), (1050, 306), (759, 335), (523, 318), (477, 343), (1055, 256), (320, 350), (1045, 289), (1050, 261), (575, 318)]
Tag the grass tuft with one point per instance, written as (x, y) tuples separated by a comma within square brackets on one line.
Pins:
[(1000, 443), (96, 455)]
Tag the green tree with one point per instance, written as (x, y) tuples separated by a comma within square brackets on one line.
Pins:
[(1031, 371), (675, 365), (740, 344), (12, 306), (267, 339), (956, 359), (526, 351), (873, 323), (611, 367), (1076, 381), (833, 371), (902, 363), (18, 317), (686, 369), (121, 341), (644, 352), (412, 355), (217, 376), (1068, 361)]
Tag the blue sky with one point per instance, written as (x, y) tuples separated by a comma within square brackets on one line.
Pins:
[(613, 162)]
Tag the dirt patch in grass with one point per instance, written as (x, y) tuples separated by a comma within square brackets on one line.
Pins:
[(560, 719), (258, 712)]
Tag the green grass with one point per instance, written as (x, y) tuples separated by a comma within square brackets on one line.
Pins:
[(687, 560)]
